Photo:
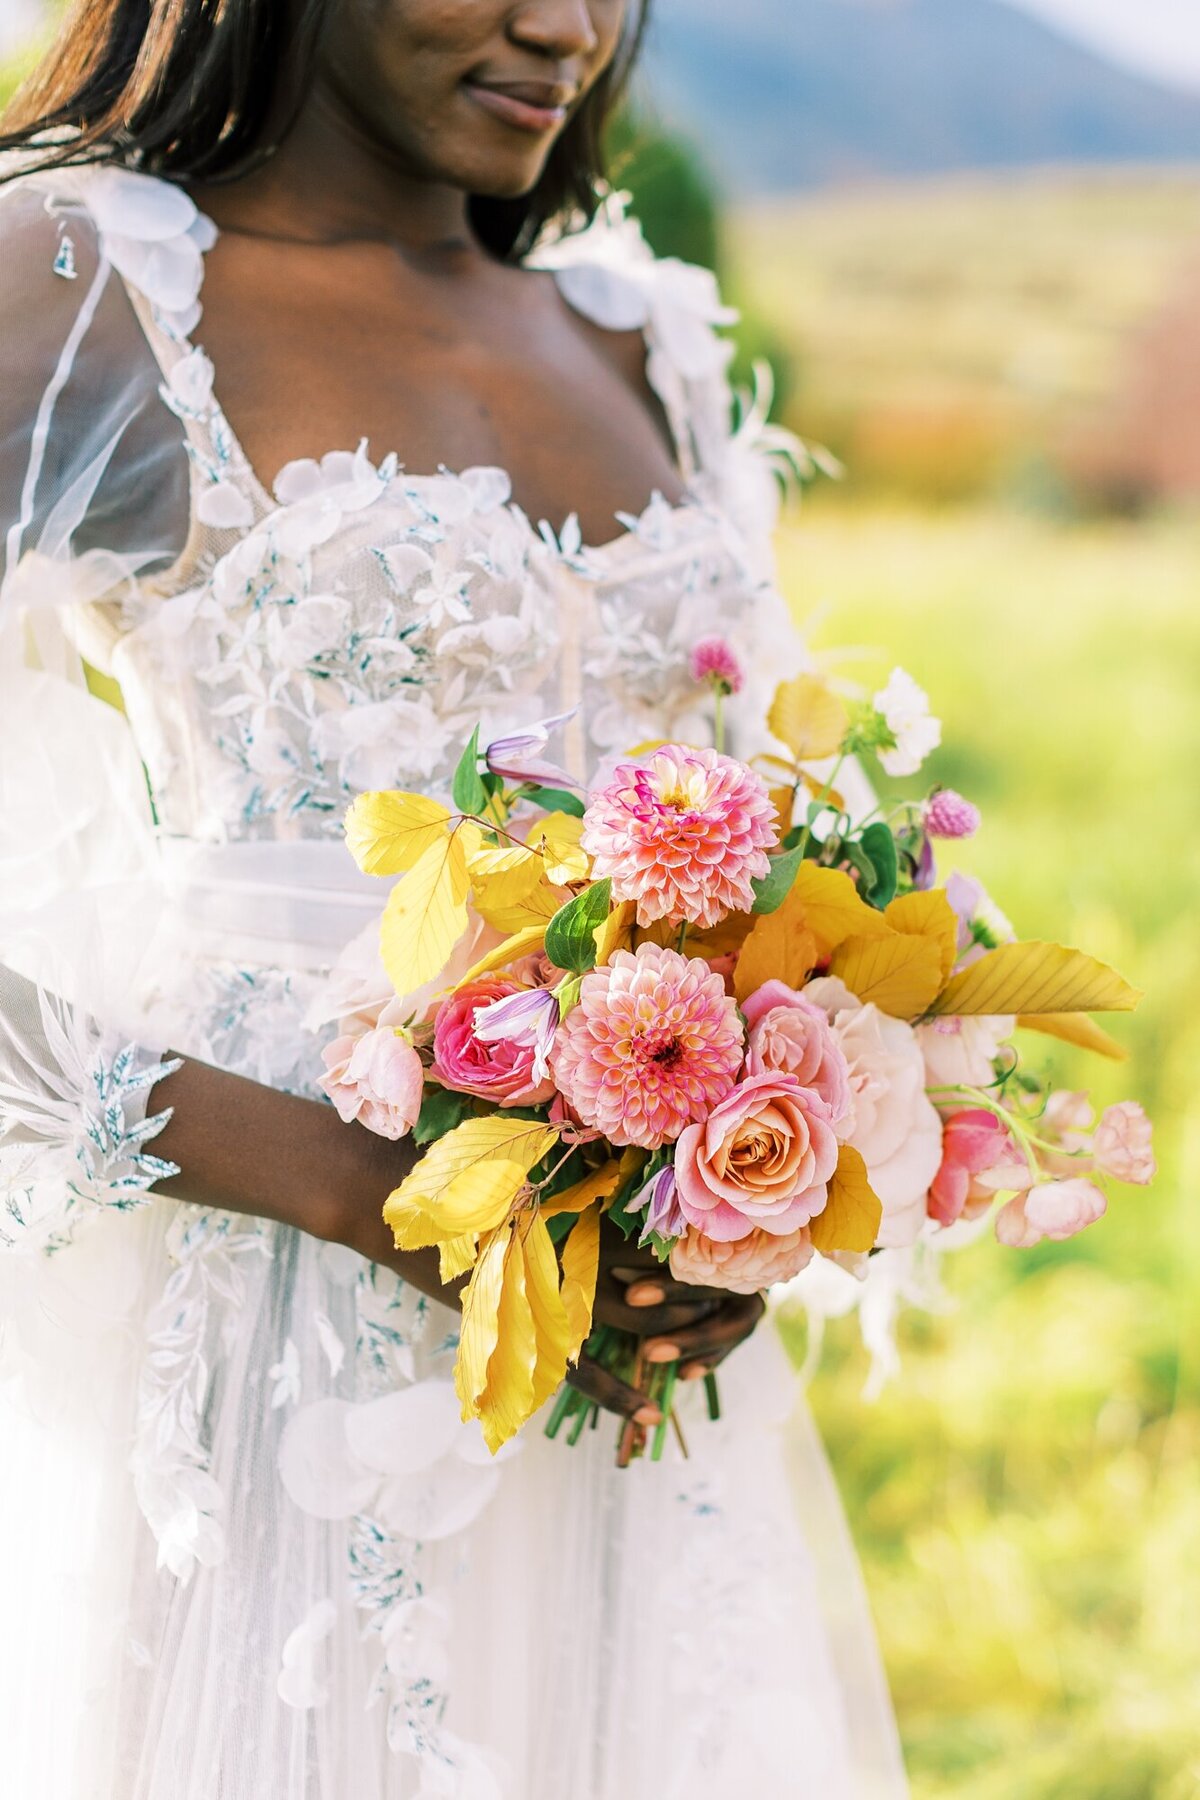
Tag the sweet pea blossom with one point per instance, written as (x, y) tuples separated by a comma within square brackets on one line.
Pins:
[(744, 1267), (518, 757), (1055, 1210), (762, 1159), (975, 1144), (960, 1052), (1123, 1144), (528, 1019), (904, 708), (376, 1078)]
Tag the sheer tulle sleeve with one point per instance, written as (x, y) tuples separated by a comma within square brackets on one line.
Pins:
[(93, 497)]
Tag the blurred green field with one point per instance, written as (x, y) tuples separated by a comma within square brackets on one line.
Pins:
[(1026, 1497)]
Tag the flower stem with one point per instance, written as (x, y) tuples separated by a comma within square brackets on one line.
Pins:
[(719, 721), (713, 1395), (665, 1401)]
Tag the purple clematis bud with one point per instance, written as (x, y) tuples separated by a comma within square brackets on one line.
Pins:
[(519, 758), (529, 1018), (926, 875), (664, 1215)]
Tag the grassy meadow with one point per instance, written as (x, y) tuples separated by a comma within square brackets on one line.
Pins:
[(1026, 1495)]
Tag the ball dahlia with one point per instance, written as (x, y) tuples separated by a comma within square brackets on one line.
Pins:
[(652, 1046), (684, 834)]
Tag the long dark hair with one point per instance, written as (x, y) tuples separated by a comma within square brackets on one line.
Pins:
[(203, 90)]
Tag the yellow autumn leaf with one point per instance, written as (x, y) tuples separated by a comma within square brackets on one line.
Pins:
[(502, 875), (783, 799), (425, 916), (1036, 979), (507, 1402), (451, 1184), (457, 1255), (930, 915), (780, 947), (853, 1212), (581, 1265), (833, 908), (601, 1184), (557, 838), (388, 832), (525, 942), (478, 1200), (809, 718), (412, 1226), (1079, 1029), (616, 933), (551, 1326), (480, 1323), (898, 974)]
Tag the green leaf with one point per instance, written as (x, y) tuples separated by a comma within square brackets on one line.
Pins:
[(556, 800), (470, 795), (774, 888), (441, 1111), (880, 846), (570, 939)]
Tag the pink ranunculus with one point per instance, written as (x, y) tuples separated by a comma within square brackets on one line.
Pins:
[(743, 1267), (1123, 1144), (762, 1159), (975, 1143), (376, 1078), (787, 1033), (504, 1071), (684, 833), (1054, 1209), (893, 1124), (652, 1045)]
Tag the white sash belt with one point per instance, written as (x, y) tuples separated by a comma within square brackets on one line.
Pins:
[(287, 905)]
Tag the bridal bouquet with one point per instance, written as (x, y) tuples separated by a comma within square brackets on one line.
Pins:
[(710, 1004)]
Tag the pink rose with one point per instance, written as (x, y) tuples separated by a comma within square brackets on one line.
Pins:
[(790, 1035), (1123, 1144), (975, 1144), (1055, 1209), (743, 1267), (503, 1071), (375, 1078), (763, 1158)]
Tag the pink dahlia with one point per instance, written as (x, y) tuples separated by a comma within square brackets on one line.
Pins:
[(684, 833), (653, 1044), (713, 660)]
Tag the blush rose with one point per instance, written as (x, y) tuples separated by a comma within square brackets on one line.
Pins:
[(761, 1160)]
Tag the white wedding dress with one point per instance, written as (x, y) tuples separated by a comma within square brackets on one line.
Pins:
[(248, 1550)]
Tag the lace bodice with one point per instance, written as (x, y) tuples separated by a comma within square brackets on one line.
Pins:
[(348, 628)]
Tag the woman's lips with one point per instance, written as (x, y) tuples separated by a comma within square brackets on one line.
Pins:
[(517, 108)]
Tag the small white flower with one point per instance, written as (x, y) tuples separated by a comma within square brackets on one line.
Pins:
[(905, 709)]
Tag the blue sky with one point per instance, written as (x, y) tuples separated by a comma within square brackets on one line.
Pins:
[(1161, 37)]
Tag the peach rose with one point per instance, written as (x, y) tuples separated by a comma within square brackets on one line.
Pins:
[(375, 1078), (763, 1158), (743, 1267), (1055, 1209), (789, 1034), (1123, 1144)]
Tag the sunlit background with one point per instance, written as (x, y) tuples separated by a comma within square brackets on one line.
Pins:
[(967, 233)]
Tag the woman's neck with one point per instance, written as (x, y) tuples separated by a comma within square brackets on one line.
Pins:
[(328, 182)]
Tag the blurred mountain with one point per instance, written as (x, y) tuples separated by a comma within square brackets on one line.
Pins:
[(787, 94)]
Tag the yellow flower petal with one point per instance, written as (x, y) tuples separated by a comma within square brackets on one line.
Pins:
[(389, 832)]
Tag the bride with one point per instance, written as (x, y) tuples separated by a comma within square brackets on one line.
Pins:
[(249, 1549)]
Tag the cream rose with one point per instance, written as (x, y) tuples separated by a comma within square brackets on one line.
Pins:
[(892, 1124), (960, 1052)]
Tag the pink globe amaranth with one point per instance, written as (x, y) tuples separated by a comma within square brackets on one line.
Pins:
[(744, 1266), (684, 834), (714, 659), (948, 815), (502, 1072), (762, 1159), (1054, 1209), (1123, 1144), (653, 1044), (788, 1034), (375, 1078)]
